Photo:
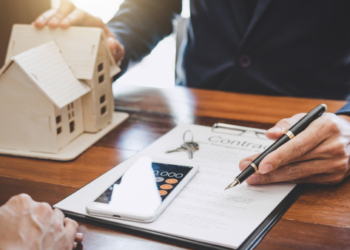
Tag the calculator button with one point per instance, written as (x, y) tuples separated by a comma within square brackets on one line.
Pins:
[(159, 179), (166, 186), (163, 192), (171, 181)]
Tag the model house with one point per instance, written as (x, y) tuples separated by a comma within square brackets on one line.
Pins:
[(86, 52), (54, 86), (40, 101)]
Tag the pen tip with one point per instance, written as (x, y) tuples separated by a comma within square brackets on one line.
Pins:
[(232, 184)]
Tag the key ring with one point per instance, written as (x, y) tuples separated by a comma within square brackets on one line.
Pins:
[(184, 136)]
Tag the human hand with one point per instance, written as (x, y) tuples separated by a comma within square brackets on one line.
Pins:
[(68, 15), (26, 224), (319, 154)]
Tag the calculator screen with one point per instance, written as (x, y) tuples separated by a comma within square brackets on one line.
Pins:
[(146, 183)]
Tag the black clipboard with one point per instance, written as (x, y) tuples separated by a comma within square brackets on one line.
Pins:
[(250, 243)]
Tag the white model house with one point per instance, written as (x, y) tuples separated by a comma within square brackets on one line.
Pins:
[(55, 86), (40, 101), (86, 52)]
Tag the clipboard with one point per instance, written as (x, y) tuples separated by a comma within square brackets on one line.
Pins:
[(250, 242)]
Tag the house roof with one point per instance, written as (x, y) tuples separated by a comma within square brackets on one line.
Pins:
[(47, 69), (79, 46)]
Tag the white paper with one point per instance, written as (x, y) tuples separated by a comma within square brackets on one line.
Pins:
[(202, 211)]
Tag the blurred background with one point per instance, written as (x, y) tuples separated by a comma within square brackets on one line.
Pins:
[(155, 70)]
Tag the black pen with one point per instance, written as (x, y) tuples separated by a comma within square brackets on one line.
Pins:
[(287, 136)]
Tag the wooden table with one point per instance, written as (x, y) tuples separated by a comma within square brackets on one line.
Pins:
[(319, 219)]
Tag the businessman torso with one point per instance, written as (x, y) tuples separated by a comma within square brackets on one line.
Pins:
[(297, 48), (274, 47)]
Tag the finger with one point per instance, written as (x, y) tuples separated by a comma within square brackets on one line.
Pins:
[(323, 179), (71, 227), (277, 131), (297, 147), (244, 163), (65, 8), (20, 203), (43, 213), (41, 21), (116, 48), (76, 18), (298, 171), (58, 214), (79, 237), (327, 149)]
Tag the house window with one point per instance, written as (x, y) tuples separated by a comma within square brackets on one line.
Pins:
[(69, 116), (72, 113), (103, 110), (58, 119), (101, 79), (100, 67), (102, 99), (71, 105), (59, 130), (71, 126)]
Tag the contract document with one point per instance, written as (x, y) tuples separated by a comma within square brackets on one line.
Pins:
[(202, 211)]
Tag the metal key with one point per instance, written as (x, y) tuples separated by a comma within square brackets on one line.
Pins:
[(191, 148), (181, 149)]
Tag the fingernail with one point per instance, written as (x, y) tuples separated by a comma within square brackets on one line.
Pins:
[(40, 20), (254, 179), (75, 245), (274, 130), (266, 168), (79, 237)]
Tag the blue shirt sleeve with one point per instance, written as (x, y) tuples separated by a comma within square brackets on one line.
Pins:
[(140, 24), (345, 110)]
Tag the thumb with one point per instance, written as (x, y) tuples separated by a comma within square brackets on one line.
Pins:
[(117, 49), (277, 131), (112, 45)]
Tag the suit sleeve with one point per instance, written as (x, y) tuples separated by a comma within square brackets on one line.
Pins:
[(345, 110), (140, 24)]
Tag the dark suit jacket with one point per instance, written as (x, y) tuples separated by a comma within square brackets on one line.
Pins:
[(289, 48)]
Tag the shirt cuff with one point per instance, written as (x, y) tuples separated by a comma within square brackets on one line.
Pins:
[(345, 110)]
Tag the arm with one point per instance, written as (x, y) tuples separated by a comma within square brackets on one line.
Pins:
[(140, 24), (320, 154)]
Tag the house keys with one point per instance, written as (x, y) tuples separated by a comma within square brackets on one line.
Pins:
[(188, 146)]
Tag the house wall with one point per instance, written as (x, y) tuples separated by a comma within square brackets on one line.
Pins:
[(27, 117), (98, 105), (69, 122)]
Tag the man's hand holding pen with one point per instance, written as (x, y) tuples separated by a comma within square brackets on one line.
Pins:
[(319, 154)]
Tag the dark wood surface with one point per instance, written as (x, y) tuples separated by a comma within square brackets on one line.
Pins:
[(319, 219)]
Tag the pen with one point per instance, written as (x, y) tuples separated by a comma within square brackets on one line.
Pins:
[(287, 136)]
